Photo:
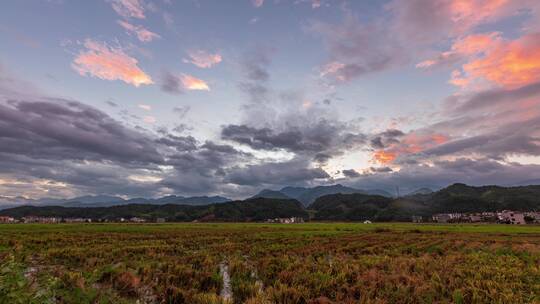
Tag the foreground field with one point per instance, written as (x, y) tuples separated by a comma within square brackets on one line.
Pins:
[(259, 263)]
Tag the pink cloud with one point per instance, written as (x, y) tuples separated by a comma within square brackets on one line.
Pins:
[(192, 83), (257, 3), (142, 33), (427, 21), (149, 119), (469, 13), (203, 59), (463, 48), (491, 59), (128, 8), (109, 63)]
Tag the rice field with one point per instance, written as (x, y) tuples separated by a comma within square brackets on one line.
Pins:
[(269, 263)]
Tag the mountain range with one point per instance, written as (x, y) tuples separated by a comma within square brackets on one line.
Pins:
[(108, 201), (305, 195), (308, 195), (330, 207)]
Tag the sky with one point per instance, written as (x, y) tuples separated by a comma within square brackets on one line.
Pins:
[(198, 97)]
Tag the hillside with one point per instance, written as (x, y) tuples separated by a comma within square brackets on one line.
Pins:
[(267, 193), (257, 209), (464, 198), (349, 207), (455, 198)]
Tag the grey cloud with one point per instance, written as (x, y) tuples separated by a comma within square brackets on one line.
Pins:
[(111, 103), (386, 138), (78, 149), (442, 173), (514, 138), (206, 159), (64, 129), (170, 83), (320, 136), (360, 48), (294, 172), (381, 169), (491, 98), (350, 173), (322, 158), (255, 64), (180, 143), (182, 111), (421, 21)]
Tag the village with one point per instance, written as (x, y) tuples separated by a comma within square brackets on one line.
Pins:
[(502, 217), (57, 220)]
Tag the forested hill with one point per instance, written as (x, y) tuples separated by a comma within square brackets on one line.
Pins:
[(455, 198)]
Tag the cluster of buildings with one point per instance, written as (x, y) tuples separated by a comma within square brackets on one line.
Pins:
[(7, 220), (133, 220), (502, 217), (56, 220), (286, 220)]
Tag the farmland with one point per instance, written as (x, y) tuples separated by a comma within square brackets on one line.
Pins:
[(269, 263)]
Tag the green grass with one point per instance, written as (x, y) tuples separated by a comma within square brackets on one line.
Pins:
[(269, 263), (314, 227)]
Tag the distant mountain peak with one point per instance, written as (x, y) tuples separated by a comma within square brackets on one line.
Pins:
[(267, 193), (421, 191)]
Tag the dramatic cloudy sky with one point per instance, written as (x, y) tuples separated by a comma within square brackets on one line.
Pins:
[(157, 97)]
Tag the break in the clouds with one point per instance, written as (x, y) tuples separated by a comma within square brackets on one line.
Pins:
[(148, 98), (177, 84)]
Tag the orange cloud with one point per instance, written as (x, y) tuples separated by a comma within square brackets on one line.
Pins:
[(109, 63), (511, 64), (412, 143), (384, 157), (506, 63), (142, 34), (203, 59), (477, 43), (468, 46), (192, 83), (128, 8), (415, 143)]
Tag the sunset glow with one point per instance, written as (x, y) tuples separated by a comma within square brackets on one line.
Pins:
[(150, 98)]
